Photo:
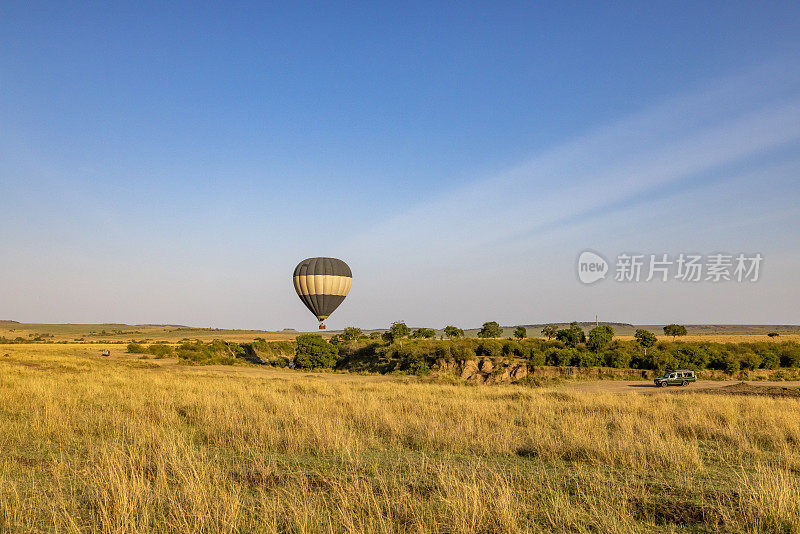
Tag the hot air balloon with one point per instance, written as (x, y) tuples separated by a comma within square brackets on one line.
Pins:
[(322, 284)]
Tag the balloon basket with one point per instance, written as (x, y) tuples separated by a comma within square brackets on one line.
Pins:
[(322, 327)]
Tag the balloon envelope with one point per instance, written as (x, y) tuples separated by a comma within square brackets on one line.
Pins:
[(322, 284)]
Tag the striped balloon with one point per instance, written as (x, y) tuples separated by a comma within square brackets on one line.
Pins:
[(322, 284)]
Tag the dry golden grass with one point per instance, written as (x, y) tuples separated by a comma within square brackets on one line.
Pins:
[(99, 333), (137, 445)]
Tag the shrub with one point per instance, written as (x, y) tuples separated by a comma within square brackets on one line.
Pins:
[(314, 352), (561, 357), (512, 348), (750, 360), (136, 348), (617, 358), (770, 360), (278, 361), (490, 348), (660, 361), (584, 359), (536, 357), (690, 357), (412, 360), (197, 352), (572, 335), (462, 351), (160, 350), (599, 337), (790, 355)]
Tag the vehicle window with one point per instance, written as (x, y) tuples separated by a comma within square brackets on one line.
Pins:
[(672, 376)]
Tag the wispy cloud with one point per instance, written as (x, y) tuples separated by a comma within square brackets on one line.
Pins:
[(679, 141)]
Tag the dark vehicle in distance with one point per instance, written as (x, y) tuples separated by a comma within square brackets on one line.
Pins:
[(681, 377)]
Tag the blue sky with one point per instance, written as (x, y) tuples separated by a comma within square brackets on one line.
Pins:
[(172, 163)]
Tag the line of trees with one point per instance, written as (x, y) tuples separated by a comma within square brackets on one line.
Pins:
[(400, 348)]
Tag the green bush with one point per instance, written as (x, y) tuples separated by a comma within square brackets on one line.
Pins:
[(790, 355), (462, 351), (691, 357), (770, 360), (137, 348), (617, 358), (572, 335), (599, 337), (315, 352), (513, 348), (584, 358), (376, 356), (561, 357), (413, 361), (159, 350), (490, 348)]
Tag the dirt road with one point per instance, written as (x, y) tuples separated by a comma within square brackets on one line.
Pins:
[(642, 386)]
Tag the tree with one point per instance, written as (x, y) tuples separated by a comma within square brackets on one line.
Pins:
[(398, 330), (550, 331), (490, 329), (773, 335), (453, 332), (599, 337), (645, 338), (313, 352), (351, 333), (571, 336), (423, 333), (520, 332), (674, 330)]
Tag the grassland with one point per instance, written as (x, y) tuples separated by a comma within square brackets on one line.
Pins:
[(124, 333), (125, 444)]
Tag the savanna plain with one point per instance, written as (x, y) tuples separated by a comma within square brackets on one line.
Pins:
[(134, 444)]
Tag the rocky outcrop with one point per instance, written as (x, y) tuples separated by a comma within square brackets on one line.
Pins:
[(484, 370)]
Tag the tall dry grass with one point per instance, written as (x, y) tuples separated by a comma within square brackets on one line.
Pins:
[(128, 445)]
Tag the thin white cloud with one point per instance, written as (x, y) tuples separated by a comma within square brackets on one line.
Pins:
[(682, 138)]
